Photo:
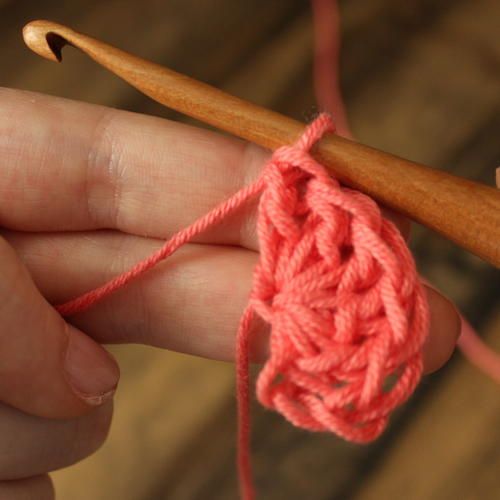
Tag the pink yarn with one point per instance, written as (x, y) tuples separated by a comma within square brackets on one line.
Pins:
[(478, 352), (326, 19), (339, 288)]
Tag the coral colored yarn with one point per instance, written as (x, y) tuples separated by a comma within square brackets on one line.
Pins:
[(338, 286)]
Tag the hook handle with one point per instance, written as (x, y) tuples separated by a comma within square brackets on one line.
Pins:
[(463, 211)]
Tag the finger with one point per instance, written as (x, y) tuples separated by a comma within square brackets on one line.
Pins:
[(47, 367), (39, 488), (190, 303), (34, 445), (444, 331), (103, 168)]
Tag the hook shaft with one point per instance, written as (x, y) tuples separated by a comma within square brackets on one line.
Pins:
[(465, 212)]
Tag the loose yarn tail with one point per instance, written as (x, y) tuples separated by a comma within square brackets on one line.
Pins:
[(247, 491), (478, 352)]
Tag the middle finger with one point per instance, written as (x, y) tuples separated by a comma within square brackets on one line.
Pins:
[(190, 303)]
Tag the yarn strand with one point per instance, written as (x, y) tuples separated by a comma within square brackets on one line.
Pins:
[(212, 218), (247, 491), (326, 20)]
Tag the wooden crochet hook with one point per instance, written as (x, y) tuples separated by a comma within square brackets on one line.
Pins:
[(465, 212)]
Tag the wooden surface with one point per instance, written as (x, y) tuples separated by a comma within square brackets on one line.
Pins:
[(422, 81)]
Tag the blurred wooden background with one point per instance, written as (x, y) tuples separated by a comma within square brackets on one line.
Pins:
[(421, 79)]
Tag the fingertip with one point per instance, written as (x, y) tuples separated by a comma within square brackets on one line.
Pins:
[(444, 330), (90, 370), (259, 341)]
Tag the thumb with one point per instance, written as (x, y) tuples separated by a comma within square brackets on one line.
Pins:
[(47, 367)]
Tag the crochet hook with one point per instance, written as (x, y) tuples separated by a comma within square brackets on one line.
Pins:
[(463, 211)]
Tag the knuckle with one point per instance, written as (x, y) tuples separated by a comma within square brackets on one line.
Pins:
[(103, 173)]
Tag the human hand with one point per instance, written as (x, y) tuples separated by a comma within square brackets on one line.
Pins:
[(86, 192)]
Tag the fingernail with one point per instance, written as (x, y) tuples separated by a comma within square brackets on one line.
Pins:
[(91, 371)]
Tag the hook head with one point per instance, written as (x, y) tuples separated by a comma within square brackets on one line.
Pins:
[(45, 38)]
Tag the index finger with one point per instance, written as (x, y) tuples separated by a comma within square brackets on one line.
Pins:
[(74, 166)]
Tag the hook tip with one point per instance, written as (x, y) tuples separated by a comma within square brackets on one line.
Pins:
[(45, 38)]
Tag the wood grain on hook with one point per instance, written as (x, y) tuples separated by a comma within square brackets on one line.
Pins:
[(465, 212)]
